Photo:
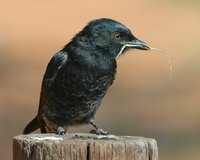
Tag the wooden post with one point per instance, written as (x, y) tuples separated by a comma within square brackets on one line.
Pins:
[(83, 147)]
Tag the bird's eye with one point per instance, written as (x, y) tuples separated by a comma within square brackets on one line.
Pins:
[(117, 36)]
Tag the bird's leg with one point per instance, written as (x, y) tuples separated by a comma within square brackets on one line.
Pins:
[(97, 129), (61, 130), (43, 129)]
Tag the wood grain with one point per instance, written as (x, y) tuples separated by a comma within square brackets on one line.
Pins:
[(81, 146)]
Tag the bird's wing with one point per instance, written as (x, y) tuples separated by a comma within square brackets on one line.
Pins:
[(55, 64), (53, 68)]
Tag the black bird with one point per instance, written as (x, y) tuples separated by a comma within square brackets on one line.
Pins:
[(78, 77)]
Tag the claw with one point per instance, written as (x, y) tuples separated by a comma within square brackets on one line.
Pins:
[(97, 130), (61, 131), (93, 131)]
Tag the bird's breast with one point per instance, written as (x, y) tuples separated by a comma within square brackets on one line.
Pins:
[(82, 84)]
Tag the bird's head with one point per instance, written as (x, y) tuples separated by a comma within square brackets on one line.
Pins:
[(111, 37)]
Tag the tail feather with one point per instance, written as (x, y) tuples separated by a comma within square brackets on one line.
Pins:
[(32, 126)]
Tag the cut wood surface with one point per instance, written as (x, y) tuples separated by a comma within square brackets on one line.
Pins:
[(81, 146)]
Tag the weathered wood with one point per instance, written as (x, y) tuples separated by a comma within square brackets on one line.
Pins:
[(83, 147)]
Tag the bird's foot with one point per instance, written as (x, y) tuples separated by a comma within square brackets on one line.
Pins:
[(99, 131), (61, 131)]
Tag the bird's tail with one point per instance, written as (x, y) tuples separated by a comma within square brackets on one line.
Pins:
[(33, 125)]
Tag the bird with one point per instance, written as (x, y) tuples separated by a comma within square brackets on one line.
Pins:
[(79, 76)]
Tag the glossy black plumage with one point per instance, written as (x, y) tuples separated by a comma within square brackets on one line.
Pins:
[(78, 77)]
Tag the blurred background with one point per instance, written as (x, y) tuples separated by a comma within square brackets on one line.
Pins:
[(143, 100)]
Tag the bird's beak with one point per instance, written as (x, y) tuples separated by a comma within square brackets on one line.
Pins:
[(138, 44)]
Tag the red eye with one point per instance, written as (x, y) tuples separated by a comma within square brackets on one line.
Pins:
[(117, 36)]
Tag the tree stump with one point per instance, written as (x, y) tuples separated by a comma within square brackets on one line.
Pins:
[(83, 147)]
